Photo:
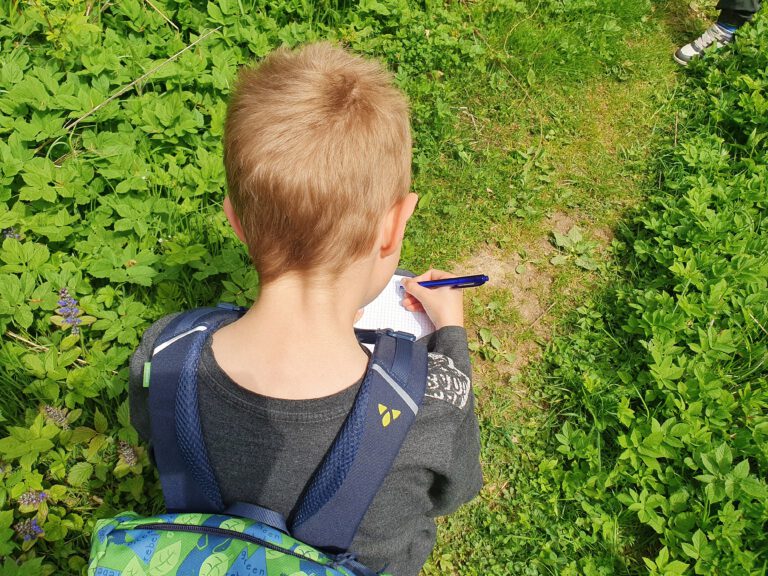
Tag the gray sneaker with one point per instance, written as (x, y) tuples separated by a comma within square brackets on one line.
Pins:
[(715, 34)]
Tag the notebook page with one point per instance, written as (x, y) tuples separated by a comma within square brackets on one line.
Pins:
[(386, 311)]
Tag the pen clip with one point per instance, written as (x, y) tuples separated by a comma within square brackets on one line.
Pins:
[(470, 284)]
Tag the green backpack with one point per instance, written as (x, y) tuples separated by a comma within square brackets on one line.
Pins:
[(206, 545)]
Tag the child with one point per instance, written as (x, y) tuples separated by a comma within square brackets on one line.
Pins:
[(317, 150)]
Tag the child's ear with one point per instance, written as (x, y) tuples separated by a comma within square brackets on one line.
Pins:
[(234, 221), (393, 228)]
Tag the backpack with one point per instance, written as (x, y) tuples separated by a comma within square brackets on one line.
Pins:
[(203, 535)]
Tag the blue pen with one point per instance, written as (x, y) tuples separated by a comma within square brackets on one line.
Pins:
[(460, 282)]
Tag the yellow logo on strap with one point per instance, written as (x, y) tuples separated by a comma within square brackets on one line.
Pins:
[(387, 415)]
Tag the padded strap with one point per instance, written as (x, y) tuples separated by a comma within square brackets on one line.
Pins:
[(189, 432), (186, 475), (344, 485)]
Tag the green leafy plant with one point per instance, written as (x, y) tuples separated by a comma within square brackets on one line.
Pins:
[(573, 246), (490, 347), (662, 382)]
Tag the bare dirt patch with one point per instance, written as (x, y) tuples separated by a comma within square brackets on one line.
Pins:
[(527, 282), (563, 223), (560, 222), (523, 274), (604, 235)]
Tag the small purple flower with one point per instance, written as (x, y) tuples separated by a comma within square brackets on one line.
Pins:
[(11, 233), (32, 498), (28, 529), (127, 453), (56, 415), (68, 309)]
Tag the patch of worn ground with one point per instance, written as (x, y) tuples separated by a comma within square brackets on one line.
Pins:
[(533, 290)]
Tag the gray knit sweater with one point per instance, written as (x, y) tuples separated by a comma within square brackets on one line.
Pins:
[(264, 450)]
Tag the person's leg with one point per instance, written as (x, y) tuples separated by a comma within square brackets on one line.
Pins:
[(737, 12), (733, 14)]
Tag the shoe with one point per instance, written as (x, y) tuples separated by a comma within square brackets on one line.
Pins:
[(718, 34)]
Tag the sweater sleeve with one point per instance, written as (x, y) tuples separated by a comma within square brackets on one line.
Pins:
[(463, 478), (450, 381)]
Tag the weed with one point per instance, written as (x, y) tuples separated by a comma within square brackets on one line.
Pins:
[(574, 246)]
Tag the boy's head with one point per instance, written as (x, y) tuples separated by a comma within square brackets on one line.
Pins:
[(317, 149)]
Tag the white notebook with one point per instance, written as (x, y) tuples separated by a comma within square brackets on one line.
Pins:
[(387, 311)]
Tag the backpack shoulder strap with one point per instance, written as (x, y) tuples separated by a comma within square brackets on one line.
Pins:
[(351, 473), (186, 475)]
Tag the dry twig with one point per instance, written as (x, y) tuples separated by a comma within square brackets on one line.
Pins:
[(156, 9), (540, 316), (758, 323), (676, 123), (37, 347)]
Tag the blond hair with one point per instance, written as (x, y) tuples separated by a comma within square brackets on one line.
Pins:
[(317, 147)]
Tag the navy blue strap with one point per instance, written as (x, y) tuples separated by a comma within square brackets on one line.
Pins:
[(258, 513), (351, 473), (366, 335), (189, 433), (186, 475)]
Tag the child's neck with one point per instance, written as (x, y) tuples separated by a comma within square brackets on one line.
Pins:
[(297, 340)]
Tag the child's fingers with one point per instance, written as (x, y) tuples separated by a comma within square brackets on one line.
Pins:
[(412, 289), (443, 305), (412, 304), (409, 300), (419, 292)]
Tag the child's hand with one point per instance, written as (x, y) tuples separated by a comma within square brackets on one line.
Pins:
[(444, 306)]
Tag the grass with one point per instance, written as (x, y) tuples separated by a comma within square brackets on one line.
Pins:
[(559, 144), (563, 143)]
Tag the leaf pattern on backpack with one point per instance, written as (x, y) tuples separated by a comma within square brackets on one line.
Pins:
[(165, 559), (134, 568), (235, 524), (215, 565), (190, 519), (201, 551)]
